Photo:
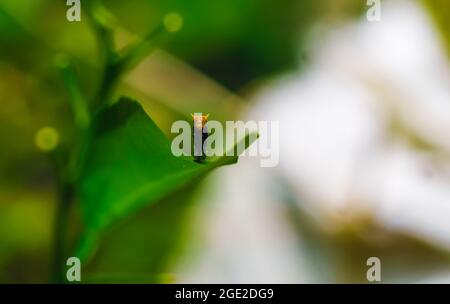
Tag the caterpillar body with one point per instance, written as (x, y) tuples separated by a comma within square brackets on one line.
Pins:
[(200, 133)]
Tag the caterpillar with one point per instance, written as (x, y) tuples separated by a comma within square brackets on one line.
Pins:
[(200, 133)]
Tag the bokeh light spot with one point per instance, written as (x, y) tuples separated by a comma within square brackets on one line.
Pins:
[(46, 139), (173, 22)]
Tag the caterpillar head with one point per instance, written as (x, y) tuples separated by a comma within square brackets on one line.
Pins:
[(199, 120)]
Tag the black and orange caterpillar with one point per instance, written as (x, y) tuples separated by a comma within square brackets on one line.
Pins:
[(200, 133)]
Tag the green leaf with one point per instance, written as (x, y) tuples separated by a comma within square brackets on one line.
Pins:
[(129, 164)]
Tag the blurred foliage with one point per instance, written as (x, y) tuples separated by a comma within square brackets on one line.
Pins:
[(142, 248), (248, 38)]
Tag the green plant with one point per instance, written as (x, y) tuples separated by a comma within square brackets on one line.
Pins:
[(120, 160)]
